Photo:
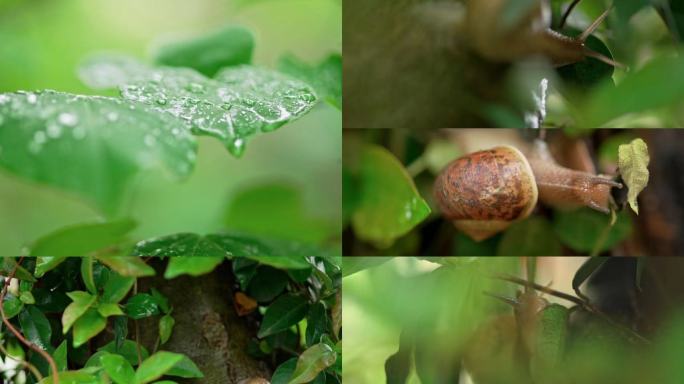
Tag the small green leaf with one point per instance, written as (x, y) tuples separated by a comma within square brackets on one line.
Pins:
[(156, 366), (35, 327), (238, 103), (388, 205), (229, 46), (87, 274), (131, 266), (581, 229), (73, 377), (191, 265), (118, 369), (530, 237), (313, 361), (326, 77), (140, 306), (284, 371), (88, 326), (109, 309), (26, 297), (185, 368), (317, 324), (12, 306), (633, 162), (165, 328), (586, 270), (81, 239), (47, 263), (82, 301), (267, 284), (60, 356), (129, 350), (283, 313), (116, 288), (87, 145), (161, 300)]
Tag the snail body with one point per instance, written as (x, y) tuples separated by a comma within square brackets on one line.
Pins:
[(531, 35), (486, 191)]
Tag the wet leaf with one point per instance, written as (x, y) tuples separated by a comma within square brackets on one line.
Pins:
[(313, 361), (633, 161), (141, 306), (89, 146), (388, 205), (326, 77), (229, 46), (80, 239), (240, 102)]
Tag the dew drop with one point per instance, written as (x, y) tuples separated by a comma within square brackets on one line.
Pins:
[(194, 88), (54, 130), (236, 147), (161, 101), (31, 98), (68, 119), (112, 116), (4, 99)]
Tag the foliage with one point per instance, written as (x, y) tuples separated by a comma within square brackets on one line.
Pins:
[(68, 302)]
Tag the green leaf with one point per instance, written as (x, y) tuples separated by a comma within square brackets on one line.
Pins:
[(35, 327), (82, 301), (156, 366), (12, 306), (238, 103), (581, 229), (551, 335), (26, 297), (267, 284), (588, 72), (587, 269), (659, 83), (161, 300), (116, 288), (229, 46), (326, 77), (223, 245), (47, 263), (81, 239), (313, 361), (165, 328), (129, 350), (9, 265), (140, 306), (185, 368), (276, 210), (351, 265), (131, 266), (191, 265), (90, 146), (633, 161), (283, 313), (88, 326), (284, 371), (109, 309), (60, 356), (317, 324), (73, 377), (87, 274), (283, 262), (388, 205), (530, 237), (118, 369)]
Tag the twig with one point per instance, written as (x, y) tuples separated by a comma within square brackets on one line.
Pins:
[(19, 336)]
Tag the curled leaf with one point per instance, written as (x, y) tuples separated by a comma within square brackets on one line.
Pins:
[(633, 161)]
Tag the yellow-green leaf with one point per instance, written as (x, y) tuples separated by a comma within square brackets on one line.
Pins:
[(633, 161)]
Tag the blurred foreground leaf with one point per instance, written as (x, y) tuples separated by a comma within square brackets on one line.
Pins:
[(326, 77), (229, 46), (82, 239)]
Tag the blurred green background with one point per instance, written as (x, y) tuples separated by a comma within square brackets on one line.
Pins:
[(41, 44)]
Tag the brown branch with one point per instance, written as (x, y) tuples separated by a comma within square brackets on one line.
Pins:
[(19, 336), (24, 363)]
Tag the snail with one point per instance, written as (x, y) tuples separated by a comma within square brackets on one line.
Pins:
[(530, 35), (486, 191)]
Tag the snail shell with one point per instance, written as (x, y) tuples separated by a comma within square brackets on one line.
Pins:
[(484, 192)]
